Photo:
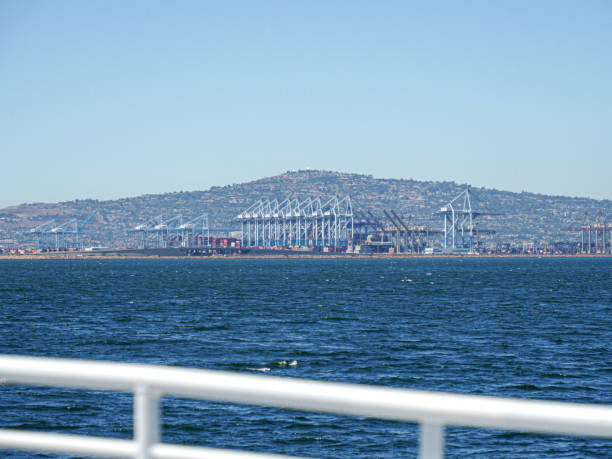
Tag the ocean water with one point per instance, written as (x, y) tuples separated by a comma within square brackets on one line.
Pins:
[(528, 328)]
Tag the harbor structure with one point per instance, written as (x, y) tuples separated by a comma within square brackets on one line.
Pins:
[(294, 223), (60, 237), (461, 232), (595, 235), (172, 232), (331, 225), (395, 234)]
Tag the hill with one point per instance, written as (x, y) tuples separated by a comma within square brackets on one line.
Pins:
[(524, 217)]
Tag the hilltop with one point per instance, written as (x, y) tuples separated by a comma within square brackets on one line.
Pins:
[(524, 217)]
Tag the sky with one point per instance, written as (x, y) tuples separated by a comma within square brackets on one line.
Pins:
[(110, 99)]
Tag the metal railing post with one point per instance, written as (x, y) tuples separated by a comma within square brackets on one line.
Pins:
[(146, 420), (431, 441)]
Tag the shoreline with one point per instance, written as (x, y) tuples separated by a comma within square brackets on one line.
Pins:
[(90, 256)]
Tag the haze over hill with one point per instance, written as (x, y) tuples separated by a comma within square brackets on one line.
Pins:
[(522, 217)]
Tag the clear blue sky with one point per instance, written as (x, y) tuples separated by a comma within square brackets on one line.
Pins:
[(106, 99)]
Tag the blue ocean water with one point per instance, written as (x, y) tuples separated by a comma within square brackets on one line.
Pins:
[(529, 328)]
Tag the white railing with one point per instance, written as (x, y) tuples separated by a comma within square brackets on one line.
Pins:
[(149, 382)]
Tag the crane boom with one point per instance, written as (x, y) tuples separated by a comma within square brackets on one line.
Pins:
[(398, 218), (391, 219), (376, 221), (88, 218)]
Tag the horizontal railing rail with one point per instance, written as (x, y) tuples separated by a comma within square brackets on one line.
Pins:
[(148, 383)]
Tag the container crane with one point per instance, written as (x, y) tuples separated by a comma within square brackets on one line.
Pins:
[(591, 232), (459, 220), (60, 232), (410, 235), (41, 230), (191, 229), (397, 231), (81, 227), (145, 228), (164, 228)]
